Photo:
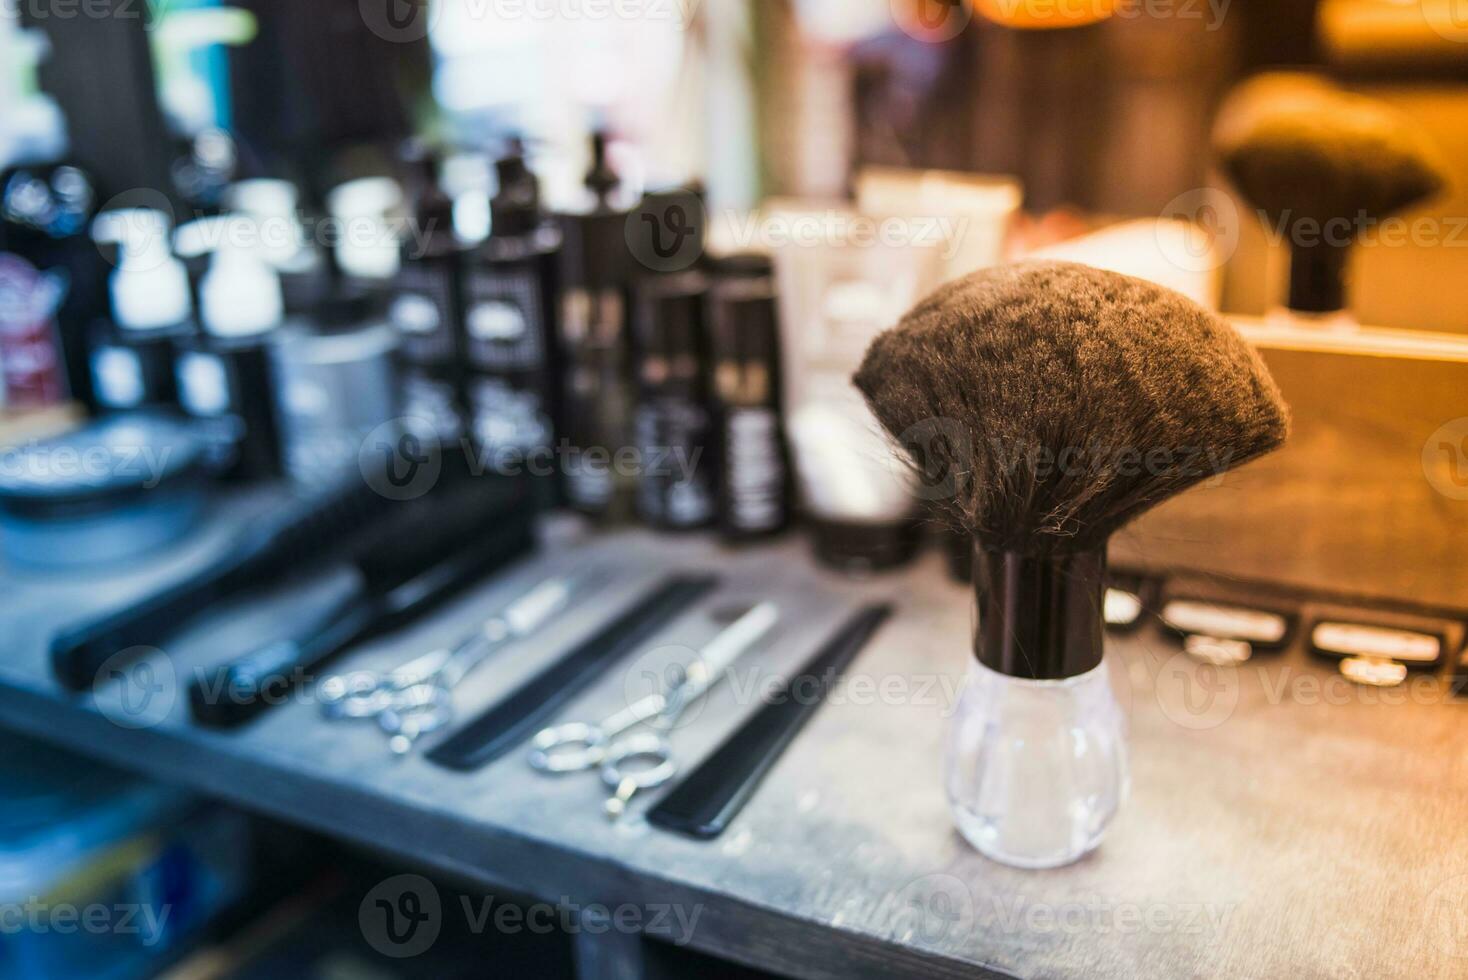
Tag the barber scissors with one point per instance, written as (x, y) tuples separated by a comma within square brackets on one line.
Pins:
[(630, 762), (416, 698)]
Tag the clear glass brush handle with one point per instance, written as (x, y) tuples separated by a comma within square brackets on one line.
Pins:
[(1036, 769)]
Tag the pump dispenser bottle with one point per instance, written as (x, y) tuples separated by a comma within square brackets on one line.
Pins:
[(132, 358), (225, 377), (427, 310), (596, 273), (511, 343)]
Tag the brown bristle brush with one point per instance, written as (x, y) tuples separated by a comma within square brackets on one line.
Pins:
[(1323, 166), (1073, 399), (1066, 401)]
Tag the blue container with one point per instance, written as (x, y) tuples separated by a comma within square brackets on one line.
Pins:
[(104, 876)]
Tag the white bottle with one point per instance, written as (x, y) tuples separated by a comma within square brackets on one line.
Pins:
[(32, 127), (226, 375), (132, 362), (240, 294), (364, 208)]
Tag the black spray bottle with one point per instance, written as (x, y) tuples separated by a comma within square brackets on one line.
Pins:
[(226, 374), (596, 272), (132, 355), (510, 341), (427, 311), (673, 427), (754, 485)]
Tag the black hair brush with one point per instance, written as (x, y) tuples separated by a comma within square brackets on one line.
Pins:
[(1066, 400), (1322, 165)]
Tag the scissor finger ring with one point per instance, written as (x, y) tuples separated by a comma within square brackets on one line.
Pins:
[(358, 694), (568, 748), (627, 782)]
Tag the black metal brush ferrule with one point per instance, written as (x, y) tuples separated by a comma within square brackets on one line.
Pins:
[(1040, 616), (1318, 277)]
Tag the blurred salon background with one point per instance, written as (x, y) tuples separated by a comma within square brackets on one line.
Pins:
[(270, 234)]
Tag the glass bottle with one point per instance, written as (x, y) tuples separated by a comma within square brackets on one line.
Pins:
[(1037, 756)]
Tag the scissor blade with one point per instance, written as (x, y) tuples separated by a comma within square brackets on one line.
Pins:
[(529, 612), (735, 640)]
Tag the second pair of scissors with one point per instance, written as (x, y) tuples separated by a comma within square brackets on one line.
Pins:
[(576, 746)]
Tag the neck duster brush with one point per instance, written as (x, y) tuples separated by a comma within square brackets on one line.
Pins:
[(1065, 401), (1322, 166)]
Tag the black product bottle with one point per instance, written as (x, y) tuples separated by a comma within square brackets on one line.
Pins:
[(226, 375), (132, 356), (596, 269), (673, 425), (132, 368), (753, 462), (427, 311), (510, 340)]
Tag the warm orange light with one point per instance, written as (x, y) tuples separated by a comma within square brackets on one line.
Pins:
[(1045, 14)]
